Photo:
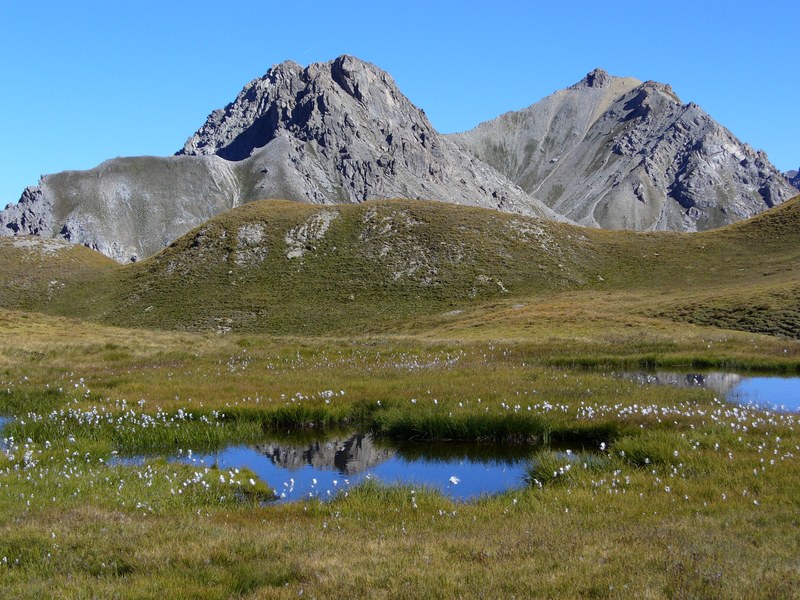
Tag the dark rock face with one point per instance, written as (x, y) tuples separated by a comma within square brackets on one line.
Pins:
[(618, 153), (794, 178)]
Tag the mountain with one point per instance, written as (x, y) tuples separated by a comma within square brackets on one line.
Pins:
[(794, 178), (608, 152), (342, 132), (618, 153), (332, 132)]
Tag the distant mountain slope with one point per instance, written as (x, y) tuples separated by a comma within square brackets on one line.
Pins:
[(126, 208), (621, 154), (794, 178)]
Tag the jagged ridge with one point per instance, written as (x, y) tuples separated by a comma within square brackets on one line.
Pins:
[(618, 153)]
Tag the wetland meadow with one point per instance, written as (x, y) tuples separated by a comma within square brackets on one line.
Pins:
[(119, 473)]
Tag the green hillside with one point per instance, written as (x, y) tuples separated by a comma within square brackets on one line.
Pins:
[(290, 268), (36, 271)]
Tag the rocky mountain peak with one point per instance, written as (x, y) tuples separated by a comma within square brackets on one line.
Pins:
[(597, 78), (341, 131), (309, 103), (623, 154)]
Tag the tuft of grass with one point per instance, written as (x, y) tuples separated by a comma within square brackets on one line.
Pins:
[(23, 400), (564, 467)]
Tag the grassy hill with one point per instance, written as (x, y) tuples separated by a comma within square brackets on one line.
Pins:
[(35, 271), (289, 268)]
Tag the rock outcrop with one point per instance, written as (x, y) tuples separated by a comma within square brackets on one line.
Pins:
[(32, 215), (617, 153), (794, 178)]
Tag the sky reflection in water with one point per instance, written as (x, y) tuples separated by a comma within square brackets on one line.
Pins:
[(768, 391)]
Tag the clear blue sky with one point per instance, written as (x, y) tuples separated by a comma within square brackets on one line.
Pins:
[(84, 81)]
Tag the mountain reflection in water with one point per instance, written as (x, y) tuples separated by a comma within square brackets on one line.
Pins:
[(349, 456), (324, 467), (772, 392)]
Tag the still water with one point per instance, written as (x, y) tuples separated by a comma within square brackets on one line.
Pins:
[(774, 392), (322, 468)]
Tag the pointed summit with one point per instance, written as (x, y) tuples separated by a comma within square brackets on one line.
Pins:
[(300, 101), (598, 78), (619, 153)]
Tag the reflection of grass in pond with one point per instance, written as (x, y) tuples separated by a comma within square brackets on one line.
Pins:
[(454, 451)]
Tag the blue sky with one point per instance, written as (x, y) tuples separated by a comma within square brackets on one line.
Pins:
[(84, 81)]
